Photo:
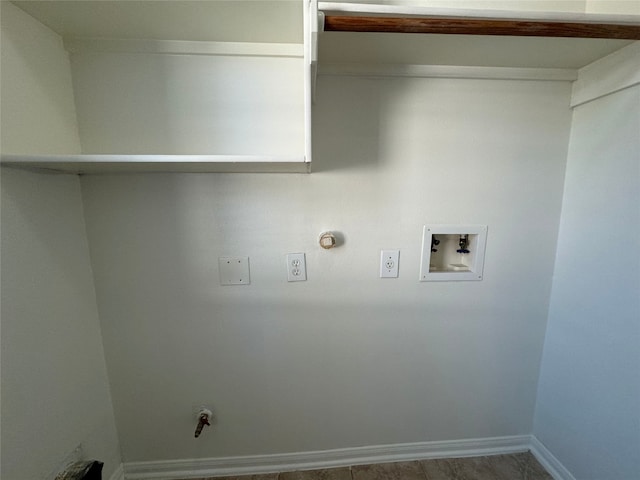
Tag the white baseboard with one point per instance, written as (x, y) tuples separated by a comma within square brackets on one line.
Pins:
[(556, 469), (246, 465), (118, 474)]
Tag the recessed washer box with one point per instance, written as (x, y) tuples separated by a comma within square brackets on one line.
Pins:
[(452, 252)]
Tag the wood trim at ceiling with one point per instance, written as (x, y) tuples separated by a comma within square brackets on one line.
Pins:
[(470, 26)]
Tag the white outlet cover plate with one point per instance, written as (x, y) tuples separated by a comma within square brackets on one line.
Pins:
[(234, 270), (389, 263), (296, 267)]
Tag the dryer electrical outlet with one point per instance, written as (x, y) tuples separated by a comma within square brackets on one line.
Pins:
[(389, 263), (452, 252)]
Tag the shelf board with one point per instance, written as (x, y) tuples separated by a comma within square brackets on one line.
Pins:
[(472, 26), (92, 164), (368, 33), (386, 8)]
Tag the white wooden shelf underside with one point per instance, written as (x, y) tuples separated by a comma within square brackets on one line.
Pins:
[(91, 164)]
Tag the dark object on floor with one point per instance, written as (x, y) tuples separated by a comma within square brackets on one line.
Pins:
[(85, 470)]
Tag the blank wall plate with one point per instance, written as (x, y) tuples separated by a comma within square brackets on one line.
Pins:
[(234, 270)]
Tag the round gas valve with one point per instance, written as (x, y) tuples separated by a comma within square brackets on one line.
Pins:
[(327, 240)]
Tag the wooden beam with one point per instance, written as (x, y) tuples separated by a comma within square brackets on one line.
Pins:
[(470, 26)]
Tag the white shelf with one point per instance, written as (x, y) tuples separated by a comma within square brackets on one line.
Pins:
[(396, 8), (85, 164), (150, 86), (244, 87), (438, 49)]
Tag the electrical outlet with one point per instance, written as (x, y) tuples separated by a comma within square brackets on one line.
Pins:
[(389, 263), (296, 267)]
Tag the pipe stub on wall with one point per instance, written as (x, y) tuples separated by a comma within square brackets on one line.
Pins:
[(327, 240)]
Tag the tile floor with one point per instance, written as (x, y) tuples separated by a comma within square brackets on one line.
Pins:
[(517, 466)]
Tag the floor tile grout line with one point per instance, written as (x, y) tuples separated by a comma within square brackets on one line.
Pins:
[(424, 472)]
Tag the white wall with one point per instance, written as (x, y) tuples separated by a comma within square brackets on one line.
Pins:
[(55, 393), (344, 359), (588, 407), (149, 103), (625, 7), (38, 113)]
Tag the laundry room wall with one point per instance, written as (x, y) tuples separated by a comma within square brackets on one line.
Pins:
[(346, 358)]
